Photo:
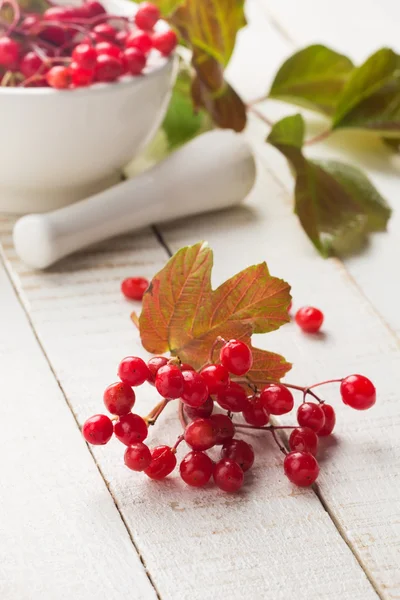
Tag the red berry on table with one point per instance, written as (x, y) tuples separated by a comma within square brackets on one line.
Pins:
[(140, 40), (130, 429), (236, 357), (169, 382), (196, 468), (137, 457), (84, 55), (31, 64), (147, 15), (204, 410), (255, 414), (228, 475), (133, 288), (134, 60), (201, 434), (132, 370), (97, 430), (104, 32), (311, 415), (119, 398), (224, 427), (304, 439), (80, 77), (154, 364), (301, 468), (216, 378), (108, 68), (239, 451), (358, 392), (233, 398), (330, 420), (9, 53), (195, 391), (165, 41), (108, 48), (277, 399), (163, 462), (309, 319), (58, 77)]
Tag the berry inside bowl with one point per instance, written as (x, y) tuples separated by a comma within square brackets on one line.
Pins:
[(62, 145)]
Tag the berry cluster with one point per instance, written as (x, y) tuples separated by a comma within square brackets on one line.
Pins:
[(228, 385), (75, 46)]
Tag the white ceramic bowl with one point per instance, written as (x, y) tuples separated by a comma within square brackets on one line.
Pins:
[(58, 147)]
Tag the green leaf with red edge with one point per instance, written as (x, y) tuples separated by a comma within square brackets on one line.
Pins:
[(267, 366), (182, 314)]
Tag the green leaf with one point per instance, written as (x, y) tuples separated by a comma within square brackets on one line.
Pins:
[(181, 313), (336, 203), (182, 122), (371, 97), (313, 78)]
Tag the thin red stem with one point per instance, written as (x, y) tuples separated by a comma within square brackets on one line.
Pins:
[(181, 415), (178, 441), (318, 138), (260, 115), (325, 382)]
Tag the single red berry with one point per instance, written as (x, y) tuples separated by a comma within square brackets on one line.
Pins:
[(224, 427), (108, 68), (311, 415), (301, 468), (133, 288), (239, 451), (55, 35), (119, 398), (201, 434), (9, 53), (60, 13), (147, 15), (103, 32), (169, 382), (195, 391), (85, 56), (130, 429), (80, 77), (108, 48), (58, 77), (132, 370), (163, 462), (309, 319), (277, 399), (137, 457), (233, 398), (186, 367), (236, 357), (165, 41), (303, 439), (228, 475), (140, 40), (134, 60), (154, 364), (204, 410), (216, 378), (255, 414), (121, 36), (98, 430), (358, 392), (196, 469), (30, 64), (94, 8), (330, 420)]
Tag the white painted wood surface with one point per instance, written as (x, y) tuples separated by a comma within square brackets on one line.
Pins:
[(62, 535)]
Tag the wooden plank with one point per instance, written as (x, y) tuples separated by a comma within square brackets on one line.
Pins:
[(374, 25), (270, 541), (61, 535)]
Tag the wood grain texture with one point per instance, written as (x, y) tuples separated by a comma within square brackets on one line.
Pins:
[(61, 534), (197, 544)]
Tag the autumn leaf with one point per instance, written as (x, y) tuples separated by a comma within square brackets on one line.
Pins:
[(182, 314), (336, 203), (313, 78), (267, 366)]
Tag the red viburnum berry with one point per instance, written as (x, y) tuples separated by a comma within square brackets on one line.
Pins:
[(277, 399), (311, 415), (239, 451), (130, 429), (119, 398), (330, 420), (201, 434), (133, 371), (228, 475), (147, 16), (236, 357), (216, 378), (169, 381), (163, 462), (165, 41), (196, 468), (224, 427), (98, 430), (137, 457), (309, 319), (304, 439), (301, 468), (358, 392)]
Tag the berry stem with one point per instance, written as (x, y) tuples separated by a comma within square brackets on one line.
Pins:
[(178, 441), (260, 115), (135, 320), (325, 382), (181, 415), (318, 138), (265, 428), (218, 340), (153, 415)]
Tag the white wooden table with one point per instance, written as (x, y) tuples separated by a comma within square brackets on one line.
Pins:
[(75, 523)]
